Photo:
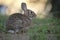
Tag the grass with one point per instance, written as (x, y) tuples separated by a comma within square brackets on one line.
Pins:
[(40, 27), (2, 22)]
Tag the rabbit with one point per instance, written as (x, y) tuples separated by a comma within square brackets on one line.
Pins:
[(20, 22)]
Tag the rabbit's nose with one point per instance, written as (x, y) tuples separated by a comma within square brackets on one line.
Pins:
[(11, 31)]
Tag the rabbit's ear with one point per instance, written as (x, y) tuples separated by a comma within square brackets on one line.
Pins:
[(23, 6)]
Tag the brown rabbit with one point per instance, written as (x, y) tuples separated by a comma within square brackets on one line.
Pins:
[(18, 21)]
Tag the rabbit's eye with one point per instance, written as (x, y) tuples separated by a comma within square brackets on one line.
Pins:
[(31, 12)]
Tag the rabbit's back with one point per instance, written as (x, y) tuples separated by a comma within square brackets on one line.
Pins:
[(17, 21)]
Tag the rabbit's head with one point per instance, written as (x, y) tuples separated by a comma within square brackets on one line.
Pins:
[(29, 13)]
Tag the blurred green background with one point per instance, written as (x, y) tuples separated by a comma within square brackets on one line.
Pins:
[(42, 29)]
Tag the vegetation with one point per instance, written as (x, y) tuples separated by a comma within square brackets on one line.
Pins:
[(44, 27), (2, 22), (41, 28)]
